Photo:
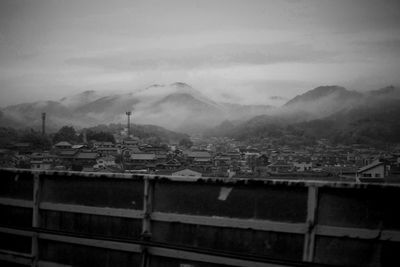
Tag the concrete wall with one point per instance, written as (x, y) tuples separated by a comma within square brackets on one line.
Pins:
[(80, 219)]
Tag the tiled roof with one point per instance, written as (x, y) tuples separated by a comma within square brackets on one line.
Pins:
[(199, 154), (370, 166), (86, 155), (143, 156), (63, 143)]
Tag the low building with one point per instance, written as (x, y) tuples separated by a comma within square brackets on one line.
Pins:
[(85, 159), (373, 172), (280, 167), (141, 161), (302, 166), (63, 145), (103, 144), (108, 151), (41, 161)]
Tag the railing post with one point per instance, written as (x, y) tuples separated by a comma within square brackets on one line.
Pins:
[(35, 218), (147, 210), (312, 209)]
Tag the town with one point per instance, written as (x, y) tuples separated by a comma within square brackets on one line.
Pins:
[(200, 156)]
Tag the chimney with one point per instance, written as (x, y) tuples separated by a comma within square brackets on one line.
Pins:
[(128, 113), (43, 123)]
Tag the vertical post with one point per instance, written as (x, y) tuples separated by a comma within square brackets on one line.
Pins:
[(312, 209), (35, 218), (43, 123), (147, 210)]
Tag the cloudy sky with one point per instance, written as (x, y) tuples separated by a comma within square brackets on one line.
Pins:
[(237, 51)]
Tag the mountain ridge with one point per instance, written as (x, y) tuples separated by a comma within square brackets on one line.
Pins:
[(179, 107)]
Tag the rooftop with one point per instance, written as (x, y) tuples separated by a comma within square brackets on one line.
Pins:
[(143, 156)]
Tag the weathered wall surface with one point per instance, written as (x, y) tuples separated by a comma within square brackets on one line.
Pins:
[(80, 219)]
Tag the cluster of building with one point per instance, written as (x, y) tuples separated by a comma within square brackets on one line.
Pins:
[(211, 157)]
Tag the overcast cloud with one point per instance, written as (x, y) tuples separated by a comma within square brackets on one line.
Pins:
[(239, 51)]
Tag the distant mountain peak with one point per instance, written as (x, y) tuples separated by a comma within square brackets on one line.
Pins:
[(325, 90), (391, 89), (321, 92), (88, 92), (79, 99), (180, 84), (155, 85)]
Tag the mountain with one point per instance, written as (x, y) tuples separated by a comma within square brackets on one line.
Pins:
[(322, 101), (176, 106), (244, 112), (80, 99), (183, 112), (371, 118), (29, 115), (323, 111), (389, 91)]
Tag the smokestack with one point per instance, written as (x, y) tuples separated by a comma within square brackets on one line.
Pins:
[(43, 123), (128, 113)]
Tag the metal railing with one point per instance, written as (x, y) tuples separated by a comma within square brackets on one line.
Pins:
[(194, 221)]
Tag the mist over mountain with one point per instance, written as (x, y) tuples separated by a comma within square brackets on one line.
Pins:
[(327, 112), (176, 106), (322, 101)]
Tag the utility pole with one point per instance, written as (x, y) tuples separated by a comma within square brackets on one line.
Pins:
[(43, 123), (128, 113)]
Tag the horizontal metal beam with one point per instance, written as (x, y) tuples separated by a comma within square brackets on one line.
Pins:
[(15, 257), (153, 249), (390, 235), (195, 256), (297, 228), (16, 231), (266, 181), (360, 233), (51, 264), (114, 245), (22, 203), (115, 212)]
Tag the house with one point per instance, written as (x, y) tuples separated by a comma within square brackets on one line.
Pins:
[(41, 161), (373, 172), (233, 155), (103, 144), (131, 142), (187, 173), (171, 164), (158, 150), (77, 147), (302, 166), (141, 161), (86, 158), (199, 155), (63, 145), (108, 151), (200, 159), (65, 157), (280, 167)]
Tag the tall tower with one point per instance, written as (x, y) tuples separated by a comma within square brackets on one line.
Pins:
[(128, 113), (43, 123)]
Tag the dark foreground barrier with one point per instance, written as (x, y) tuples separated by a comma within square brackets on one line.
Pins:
[(83, 219)]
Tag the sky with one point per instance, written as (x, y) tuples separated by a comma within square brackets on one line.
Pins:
[(249, 52)]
